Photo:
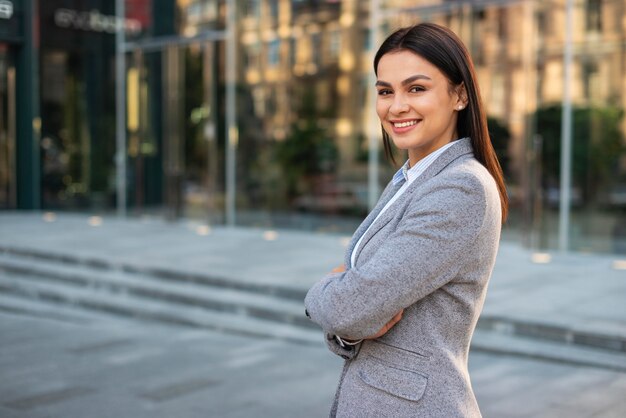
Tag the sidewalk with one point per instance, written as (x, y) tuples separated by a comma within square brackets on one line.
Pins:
[(573, 298), (127, 369)]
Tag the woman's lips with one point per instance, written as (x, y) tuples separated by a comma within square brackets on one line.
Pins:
[(402, 126)]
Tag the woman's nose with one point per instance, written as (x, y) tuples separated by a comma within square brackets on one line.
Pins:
[(399, 105)]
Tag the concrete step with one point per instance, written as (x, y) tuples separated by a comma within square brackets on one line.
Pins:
[(39, 309), (551, 331), (97, 287), (80, 308), (111, 283), (495, 342), (48, 295), (176, 275)]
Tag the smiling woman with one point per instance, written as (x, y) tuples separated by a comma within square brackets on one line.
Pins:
[(403, 308), (419, 111)]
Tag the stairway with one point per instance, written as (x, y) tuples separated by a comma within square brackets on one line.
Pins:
[(81, 290), (71, 289)]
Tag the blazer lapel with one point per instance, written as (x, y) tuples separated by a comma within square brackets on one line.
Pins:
[(387, 194), (463, 147)]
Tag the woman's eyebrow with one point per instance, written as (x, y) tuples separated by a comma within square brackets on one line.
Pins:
[(415, 78), (405, 82)]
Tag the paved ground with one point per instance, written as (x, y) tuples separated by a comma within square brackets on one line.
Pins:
[(577, 292), (110, 368), (120, 368)]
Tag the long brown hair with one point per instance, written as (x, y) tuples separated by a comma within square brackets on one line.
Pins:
[(443, 48)]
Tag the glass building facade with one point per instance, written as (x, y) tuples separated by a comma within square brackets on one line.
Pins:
[(260, 112)]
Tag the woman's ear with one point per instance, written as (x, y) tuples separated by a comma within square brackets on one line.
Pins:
[(461, 95)]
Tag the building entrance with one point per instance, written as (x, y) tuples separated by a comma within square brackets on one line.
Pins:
[(175, 159)]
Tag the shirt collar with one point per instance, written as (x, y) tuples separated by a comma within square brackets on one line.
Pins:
[(403, 173)]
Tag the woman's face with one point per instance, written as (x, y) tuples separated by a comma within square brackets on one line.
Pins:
[(415, 104)]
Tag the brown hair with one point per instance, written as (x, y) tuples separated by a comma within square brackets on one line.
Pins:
[(443, 48)]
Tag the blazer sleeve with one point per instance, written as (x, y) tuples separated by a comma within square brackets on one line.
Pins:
[(426, 251), (346, 352)]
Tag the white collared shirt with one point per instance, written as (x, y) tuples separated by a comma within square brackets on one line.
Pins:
[(408, 175)]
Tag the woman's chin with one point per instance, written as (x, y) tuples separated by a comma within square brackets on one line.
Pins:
[(402, 145)]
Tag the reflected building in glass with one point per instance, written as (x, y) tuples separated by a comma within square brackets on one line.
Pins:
[(295, 115)]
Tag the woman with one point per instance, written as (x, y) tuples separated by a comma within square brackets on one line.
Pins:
[(403, 311)]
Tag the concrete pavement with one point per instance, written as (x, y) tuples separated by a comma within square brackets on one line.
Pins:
[(566, 308), (124, 369), (575, 299)]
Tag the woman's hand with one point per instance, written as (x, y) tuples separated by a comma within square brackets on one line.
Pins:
[(393, 321), (339, 269)]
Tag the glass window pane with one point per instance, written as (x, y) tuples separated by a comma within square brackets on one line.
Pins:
[(302, 154)]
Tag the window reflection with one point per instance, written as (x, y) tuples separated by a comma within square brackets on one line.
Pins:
[(302, 89)]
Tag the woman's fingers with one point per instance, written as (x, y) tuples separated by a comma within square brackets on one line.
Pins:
[(396, 318), (339, 269), (393, 321)]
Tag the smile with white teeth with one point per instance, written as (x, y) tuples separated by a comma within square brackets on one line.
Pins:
[(404, 124)]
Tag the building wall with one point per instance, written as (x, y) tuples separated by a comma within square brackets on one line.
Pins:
[(305, 110)]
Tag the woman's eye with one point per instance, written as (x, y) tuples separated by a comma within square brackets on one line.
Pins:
[(416, 89), (384, 92)]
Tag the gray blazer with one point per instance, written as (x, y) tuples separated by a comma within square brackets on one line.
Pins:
[(431, 253)]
